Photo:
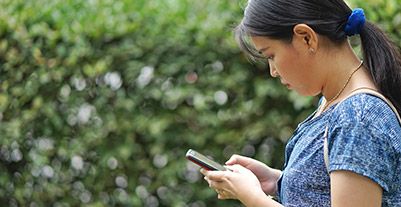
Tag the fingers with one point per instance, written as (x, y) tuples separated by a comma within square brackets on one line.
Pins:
[(213, 180), (222, 194), (217, 176), (217, 186), (217, 180), (221, 182)]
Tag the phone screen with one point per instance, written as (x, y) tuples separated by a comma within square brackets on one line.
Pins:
[(203, 161)]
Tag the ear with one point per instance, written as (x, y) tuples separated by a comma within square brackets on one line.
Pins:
[(307, 36)]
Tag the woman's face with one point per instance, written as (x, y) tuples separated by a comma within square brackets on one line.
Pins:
[(291, 62)]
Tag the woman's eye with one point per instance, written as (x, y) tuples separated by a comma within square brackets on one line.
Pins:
[(267, 57)]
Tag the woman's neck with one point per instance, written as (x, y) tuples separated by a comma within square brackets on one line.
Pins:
[(342, 66)]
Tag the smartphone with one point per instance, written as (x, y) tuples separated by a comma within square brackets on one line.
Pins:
[(203, 161)]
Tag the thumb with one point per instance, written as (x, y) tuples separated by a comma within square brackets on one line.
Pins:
[(217, 176), (237, 159), (235, 168)]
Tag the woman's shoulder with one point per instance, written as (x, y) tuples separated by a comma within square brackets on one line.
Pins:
[(368, 109), (364, 131), (365, 108)]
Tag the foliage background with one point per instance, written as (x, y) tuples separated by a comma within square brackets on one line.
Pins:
[(100, 100)]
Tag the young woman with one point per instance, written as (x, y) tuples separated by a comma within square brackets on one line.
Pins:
[(306, 45)]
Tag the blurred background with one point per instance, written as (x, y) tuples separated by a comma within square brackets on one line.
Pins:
[(101, 99)]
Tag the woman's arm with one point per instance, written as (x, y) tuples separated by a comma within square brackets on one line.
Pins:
[(351, 189), (260, 200)]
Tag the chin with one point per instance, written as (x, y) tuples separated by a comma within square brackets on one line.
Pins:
[(307, 93)]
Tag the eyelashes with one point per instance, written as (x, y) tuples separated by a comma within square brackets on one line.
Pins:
[(267, 57)]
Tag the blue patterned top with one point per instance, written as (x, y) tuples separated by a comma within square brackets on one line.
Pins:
[(364, 137)]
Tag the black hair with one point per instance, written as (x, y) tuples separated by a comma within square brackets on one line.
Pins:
[(276, 19)]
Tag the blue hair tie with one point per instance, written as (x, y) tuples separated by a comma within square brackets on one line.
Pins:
[(355, 22)]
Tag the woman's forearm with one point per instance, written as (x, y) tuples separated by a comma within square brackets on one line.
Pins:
[(260, 199)]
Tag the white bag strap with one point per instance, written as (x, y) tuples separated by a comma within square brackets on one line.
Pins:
[(361, 90)]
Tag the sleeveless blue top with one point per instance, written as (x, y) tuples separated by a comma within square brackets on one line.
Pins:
[(364, 137)]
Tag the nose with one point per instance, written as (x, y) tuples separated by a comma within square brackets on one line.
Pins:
[(273, 71)]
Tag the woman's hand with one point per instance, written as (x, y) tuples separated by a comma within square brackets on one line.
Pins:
[(236, 183), (267, 176)]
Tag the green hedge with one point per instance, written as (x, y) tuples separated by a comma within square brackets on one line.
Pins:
[(100, 100), (386, 13)]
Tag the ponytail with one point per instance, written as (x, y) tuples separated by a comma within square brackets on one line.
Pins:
[(383, 59)]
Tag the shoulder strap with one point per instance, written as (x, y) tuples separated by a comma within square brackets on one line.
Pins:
[(357, 91)]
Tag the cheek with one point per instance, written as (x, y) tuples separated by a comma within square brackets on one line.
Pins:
[(296, 70), (290, 64)]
